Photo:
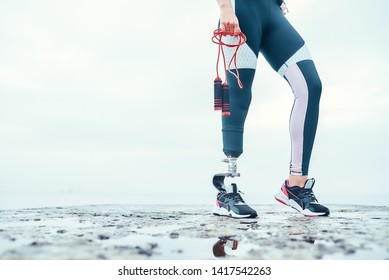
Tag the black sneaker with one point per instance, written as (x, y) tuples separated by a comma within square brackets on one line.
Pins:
[(230, 203), (302, 199)]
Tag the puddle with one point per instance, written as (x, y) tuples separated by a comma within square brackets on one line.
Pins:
[(168, 247), (165, 247)]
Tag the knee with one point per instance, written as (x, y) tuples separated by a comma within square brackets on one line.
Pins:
[(315, 88), (312, 79)]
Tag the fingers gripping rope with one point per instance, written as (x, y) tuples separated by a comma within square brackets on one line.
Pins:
[(221, 89)]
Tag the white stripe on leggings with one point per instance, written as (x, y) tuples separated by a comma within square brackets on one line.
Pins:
[(297, 117)]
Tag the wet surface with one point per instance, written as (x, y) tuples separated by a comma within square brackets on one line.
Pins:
[(192, 232)]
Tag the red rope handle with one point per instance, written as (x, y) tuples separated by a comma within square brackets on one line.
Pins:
[(217, 38)]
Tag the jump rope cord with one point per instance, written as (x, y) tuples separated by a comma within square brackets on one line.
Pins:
[(221, 90), (217, 38)]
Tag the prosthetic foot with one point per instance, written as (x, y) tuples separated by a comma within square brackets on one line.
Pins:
[(229, 202)]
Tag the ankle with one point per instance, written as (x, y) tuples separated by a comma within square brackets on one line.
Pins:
[(298, 181)]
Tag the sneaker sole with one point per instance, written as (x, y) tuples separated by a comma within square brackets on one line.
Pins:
[(282, 198), (224, 212)]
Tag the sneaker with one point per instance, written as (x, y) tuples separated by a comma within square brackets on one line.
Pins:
[(230, 203), (302, 199)]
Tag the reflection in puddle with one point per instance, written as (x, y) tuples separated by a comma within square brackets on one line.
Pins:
[(225, 243), (234, 247)]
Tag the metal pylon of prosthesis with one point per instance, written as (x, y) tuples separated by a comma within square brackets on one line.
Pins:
[(218, 179)]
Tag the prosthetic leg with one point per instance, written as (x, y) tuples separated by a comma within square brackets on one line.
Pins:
[(218, 179)]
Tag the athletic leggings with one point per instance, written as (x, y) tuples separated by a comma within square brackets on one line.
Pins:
[(269, 32)]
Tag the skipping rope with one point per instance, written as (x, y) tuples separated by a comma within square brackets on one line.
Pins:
[(221, 89)]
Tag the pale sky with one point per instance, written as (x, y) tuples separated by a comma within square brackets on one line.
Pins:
[(115, 97)]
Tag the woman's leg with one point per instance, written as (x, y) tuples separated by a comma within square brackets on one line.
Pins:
[(286, 52), (250, 25), (306, 85), (229, 201), (233, 125)]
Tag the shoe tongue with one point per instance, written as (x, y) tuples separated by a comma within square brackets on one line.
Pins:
[(309, 183), (233, 188)]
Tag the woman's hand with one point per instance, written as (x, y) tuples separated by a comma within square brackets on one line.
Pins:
[(228, 20)]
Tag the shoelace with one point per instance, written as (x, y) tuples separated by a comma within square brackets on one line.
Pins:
[(235, 196), (308, 194)]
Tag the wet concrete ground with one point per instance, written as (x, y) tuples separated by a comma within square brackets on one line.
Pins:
[(192, 232)]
